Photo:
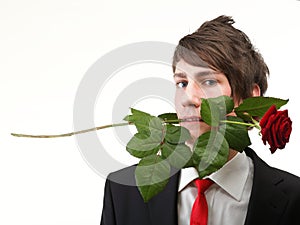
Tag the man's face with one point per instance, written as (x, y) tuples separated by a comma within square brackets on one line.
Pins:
[(192, 84)]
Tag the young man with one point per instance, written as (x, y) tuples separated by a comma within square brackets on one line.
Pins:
[(215, 60)]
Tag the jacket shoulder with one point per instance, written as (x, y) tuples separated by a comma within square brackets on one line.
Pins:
[(291, 182), (275, 196), (123, 176)]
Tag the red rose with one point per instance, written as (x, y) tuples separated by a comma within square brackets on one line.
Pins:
[(276, 127)]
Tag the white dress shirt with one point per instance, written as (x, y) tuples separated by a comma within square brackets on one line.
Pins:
[(227, 198)]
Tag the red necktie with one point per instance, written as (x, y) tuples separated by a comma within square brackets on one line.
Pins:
[(200, 210)]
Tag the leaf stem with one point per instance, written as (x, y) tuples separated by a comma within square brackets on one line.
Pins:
[(254, 124), (239, 123), (71, 133)]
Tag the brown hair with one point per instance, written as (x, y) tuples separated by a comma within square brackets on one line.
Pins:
[(227, 50)]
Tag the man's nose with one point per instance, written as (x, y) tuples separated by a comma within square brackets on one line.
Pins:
[(193, 95)]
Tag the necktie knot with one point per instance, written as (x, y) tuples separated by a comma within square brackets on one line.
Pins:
[(203, 185)]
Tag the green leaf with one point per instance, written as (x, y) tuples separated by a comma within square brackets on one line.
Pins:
[(155, 126), (142, 145), (136, 114), (236, 134), (258, 106), (244, 116), (142, 121), (147, 141), (210, 152), (214, 109), (176, 134), (152, 175), (169, 117), (225, 104), (210, 113), (177, 155)]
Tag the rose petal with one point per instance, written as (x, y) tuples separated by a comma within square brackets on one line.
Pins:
[(264, 119), (276, 127)]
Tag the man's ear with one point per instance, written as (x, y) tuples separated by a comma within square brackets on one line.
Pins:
[(255, 90)]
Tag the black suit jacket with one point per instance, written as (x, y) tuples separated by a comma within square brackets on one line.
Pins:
[(275, 199)]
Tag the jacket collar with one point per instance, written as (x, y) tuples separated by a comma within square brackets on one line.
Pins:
[(231, 177)]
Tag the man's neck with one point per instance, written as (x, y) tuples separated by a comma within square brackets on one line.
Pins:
[(232, 153)]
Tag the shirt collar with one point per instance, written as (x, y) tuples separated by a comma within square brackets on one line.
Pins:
[(231, 177)]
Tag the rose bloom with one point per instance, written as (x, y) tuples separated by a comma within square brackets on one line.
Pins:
[(276, 127)]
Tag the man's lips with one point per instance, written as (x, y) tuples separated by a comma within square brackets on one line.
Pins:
[(191, 119)]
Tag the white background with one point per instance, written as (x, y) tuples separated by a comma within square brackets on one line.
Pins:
[(45, 49)]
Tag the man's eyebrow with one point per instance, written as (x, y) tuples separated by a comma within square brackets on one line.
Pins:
[(198, 74), (181, 75)]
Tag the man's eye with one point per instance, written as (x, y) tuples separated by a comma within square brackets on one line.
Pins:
[(210, 82), (181, 84)]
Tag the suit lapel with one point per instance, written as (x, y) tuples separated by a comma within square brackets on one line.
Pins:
[(267, 201), (163, 207)]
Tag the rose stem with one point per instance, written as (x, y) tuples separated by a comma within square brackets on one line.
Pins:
[(72, 133)]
